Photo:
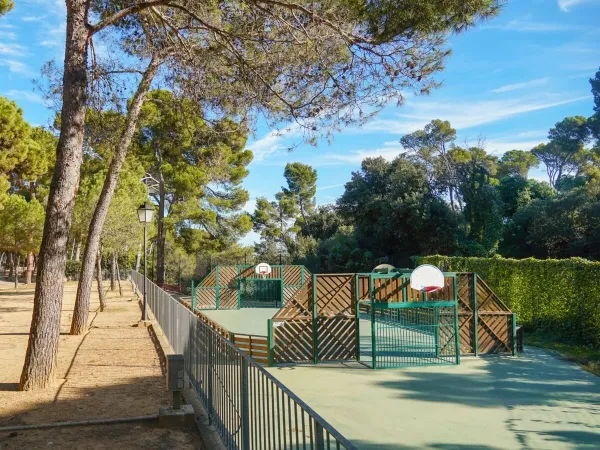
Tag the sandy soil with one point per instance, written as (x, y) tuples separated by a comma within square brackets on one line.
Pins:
[(113, 371)]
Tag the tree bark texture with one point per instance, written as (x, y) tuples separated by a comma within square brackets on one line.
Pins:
[(11, 270), (113, 272), (138, 258), (30, 262), (84, 288), (118, 275), (99, 279), (17, 271), (40, 359), (160, 228)]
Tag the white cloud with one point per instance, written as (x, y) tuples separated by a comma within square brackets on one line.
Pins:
[(523, 85), (462, 114), (564, 5), (8, 35), (272, 142), (331, 186), (532, 134), (24, 95), (388, 151), (250, 206), (15, 66), (32, 18), (499, 147), (12, 49), (50, 43), (526, 24)]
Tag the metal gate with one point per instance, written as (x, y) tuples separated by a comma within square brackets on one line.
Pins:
[(409, 334), (260, 293), (399, 326)]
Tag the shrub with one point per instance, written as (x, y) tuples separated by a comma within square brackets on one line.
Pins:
[(72, 269), (559, 297)]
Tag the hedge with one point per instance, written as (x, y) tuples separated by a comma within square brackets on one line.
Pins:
[(557, 297)]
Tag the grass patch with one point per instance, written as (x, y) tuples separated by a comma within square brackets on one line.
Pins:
[(587, 357)]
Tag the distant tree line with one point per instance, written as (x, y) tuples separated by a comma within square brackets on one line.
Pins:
[(438, 197)]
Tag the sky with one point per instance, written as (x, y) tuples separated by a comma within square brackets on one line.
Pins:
[(507, 82)]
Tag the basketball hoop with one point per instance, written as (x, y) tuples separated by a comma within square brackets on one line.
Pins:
[(427, 278), (262, 270)]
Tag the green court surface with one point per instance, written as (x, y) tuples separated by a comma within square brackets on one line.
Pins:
[(244, 321), (535, 401)]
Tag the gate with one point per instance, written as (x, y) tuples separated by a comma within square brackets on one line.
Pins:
[(259, 293), (401, 327)]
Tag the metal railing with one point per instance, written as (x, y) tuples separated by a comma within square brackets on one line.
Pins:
[(247, 405)]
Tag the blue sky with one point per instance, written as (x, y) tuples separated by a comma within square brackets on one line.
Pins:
[(508, 81)]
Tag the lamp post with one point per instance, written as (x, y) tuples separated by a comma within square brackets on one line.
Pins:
[(145, 213)]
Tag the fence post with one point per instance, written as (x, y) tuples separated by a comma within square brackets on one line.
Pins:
[(373, 328), (270, 342), (319, 436), (239, 287), (217, 287), (475, 316), (456, 329), (315, 325), (281, 287), (210, 376), (514, 334), (357, 313), (193, 297), (245, 393)]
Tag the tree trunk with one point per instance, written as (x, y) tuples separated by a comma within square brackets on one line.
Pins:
[(78, 251), (17, 271), (113, 272), (40, 359), (99, 279), (72, 249), (84, 288), (138, 257), (160, 228), (29, 267), (11, 270), (118, 275)]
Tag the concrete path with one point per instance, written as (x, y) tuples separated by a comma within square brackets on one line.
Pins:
[(536, 401)]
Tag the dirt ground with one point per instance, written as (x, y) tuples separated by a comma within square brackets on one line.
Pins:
[(113, 371)]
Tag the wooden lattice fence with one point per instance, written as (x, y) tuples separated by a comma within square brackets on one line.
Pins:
[(307, 331)]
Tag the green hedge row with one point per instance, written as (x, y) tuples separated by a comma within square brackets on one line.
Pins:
[(558, 297)]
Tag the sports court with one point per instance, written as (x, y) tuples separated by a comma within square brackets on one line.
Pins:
[(244, 321), (535, 401)]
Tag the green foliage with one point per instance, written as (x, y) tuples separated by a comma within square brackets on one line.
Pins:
[(22, 224), (517, 163), (549, 296), (6, 6), (14, 133), (72, 269), (565, 152), (395, 212)]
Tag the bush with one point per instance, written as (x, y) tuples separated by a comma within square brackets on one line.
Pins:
[(558, 297), (72, 269)]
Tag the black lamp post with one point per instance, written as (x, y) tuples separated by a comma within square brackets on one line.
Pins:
[(145, 213)]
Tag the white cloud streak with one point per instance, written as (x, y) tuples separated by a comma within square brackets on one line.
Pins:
[(15, 66), (24, 95), (272, 142), (12, 49), (565, 5), (523, 85), (32, 18), (331, 186), (462, 115), (526, 24)]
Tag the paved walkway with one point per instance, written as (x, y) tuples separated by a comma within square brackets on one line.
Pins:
[(536, 401), (113, 371)]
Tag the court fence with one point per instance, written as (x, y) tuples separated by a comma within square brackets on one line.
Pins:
[(248, 406)]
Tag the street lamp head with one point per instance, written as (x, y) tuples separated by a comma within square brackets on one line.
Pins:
[(145, 213)]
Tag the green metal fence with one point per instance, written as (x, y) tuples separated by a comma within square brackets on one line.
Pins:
[(257, 293), (234, 287), (403, 332)]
